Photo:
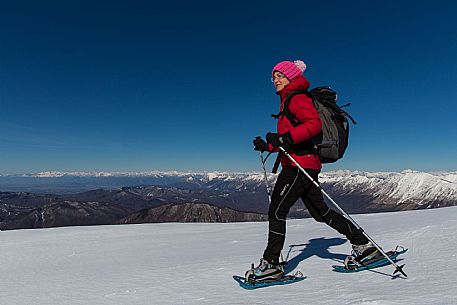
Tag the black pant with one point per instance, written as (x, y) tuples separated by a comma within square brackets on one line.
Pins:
[(290, 186)]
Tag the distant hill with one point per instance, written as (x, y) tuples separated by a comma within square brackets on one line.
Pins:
[(191, 212), (65, 213)]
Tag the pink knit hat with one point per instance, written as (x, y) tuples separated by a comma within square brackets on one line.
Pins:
[(290, 69)]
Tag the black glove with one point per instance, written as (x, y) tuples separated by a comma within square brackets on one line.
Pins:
[(279, 140), (260, 144)]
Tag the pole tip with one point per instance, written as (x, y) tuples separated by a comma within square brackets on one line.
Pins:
[(400, 269)]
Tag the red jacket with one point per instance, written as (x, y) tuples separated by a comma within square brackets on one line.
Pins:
[(310, 125)]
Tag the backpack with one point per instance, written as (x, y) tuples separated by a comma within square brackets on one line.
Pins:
[(332, 142)]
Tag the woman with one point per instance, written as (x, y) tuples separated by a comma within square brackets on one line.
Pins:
[(291, 184)]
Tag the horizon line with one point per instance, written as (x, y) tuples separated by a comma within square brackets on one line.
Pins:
[(56, 174)]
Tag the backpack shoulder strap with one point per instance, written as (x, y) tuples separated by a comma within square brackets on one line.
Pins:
[(285, 111)]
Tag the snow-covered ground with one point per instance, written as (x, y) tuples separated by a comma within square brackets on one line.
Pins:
[(194, 263)]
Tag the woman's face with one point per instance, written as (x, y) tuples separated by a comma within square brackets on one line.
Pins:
[(279, 81)]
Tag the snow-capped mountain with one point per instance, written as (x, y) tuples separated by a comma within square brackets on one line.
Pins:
[(420, 189), (354, 191), (396, 186)]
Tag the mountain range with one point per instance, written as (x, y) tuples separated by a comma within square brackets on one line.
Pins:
[(106, 198)]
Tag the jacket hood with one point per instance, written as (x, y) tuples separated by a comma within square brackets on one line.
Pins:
[(298, 83)]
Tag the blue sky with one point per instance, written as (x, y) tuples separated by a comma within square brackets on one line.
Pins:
[(185, 85)]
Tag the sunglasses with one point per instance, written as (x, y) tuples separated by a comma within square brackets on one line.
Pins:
[(278, 76)]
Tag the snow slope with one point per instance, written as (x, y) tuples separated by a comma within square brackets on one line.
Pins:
[(194, 263)]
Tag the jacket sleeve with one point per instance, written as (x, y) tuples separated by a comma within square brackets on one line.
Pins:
[(302, 108)]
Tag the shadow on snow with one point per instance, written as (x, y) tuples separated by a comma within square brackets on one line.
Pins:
[(316, 246)]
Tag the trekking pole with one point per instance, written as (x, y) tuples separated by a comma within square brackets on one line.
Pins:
[(265, 176), (263, 160), (398, 268)]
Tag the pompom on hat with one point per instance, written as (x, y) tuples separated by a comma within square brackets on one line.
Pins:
[(290, 69)]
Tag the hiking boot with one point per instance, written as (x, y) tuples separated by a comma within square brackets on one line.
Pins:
[(364, 252), (264, 271)]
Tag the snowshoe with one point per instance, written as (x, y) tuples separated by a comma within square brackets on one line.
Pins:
[(351, 264), (267, 274), (286, 279)]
